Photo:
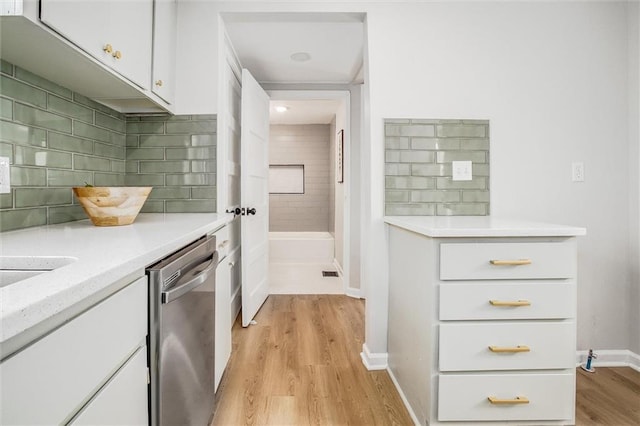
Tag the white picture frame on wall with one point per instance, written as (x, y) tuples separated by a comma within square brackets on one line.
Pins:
[(340, 156)]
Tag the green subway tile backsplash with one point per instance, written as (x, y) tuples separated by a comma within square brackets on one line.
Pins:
[(14, 89), (418, 167), (6, 108), (35, 80), (22, 135), (181, 166), (68, 108), (56, 139)]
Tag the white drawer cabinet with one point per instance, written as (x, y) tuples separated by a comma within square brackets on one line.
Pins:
[(519, 397), (476, 319), (506, 345), (74, 361)]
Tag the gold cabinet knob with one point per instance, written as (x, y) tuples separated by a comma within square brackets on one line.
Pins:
[(117, 54), (107, 48), (159, 83)]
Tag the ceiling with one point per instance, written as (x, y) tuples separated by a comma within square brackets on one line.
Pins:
[(312, 111), (265, 42)]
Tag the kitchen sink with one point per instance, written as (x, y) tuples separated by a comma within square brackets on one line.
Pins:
[(17, 268)]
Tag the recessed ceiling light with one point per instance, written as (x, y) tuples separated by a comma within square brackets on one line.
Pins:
[(300, 57), (281, 108)]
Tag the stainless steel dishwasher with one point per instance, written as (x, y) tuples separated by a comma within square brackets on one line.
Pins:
[(181, 335)]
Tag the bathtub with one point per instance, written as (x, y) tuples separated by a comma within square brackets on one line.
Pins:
[(301, 247)]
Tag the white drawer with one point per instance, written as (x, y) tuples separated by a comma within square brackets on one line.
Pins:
[(223, 242), (49, 380), (499, 261), (465, 397), (123, 400), (512, 300), (493, 346)]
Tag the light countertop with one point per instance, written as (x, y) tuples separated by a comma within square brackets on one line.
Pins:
[(107, 259), (480, 226)]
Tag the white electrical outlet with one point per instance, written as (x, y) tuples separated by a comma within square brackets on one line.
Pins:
[(577, 171), (5, 175), (462, 170)]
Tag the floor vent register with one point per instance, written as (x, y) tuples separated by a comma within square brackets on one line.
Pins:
[(329, 274)]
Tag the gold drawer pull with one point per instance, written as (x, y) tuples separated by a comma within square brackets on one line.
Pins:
[(513, 262), (516, 400), (509, 349), (223, 244), (117, 54), (107, 48), (159, 83), (510, 303)]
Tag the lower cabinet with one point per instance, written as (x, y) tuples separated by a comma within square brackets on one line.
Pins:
[(483, 329), (226, 275), (87, 367), (119, 402)]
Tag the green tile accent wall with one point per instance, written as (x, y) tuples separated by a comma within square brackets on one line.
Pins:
[(56, 139), (418, 167), (177, 155)]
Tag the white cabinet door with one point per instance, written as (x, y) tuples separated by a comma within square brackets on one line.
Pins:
[(123, 400), (48, 381), (164, 49), (223, 318), (103, 28)]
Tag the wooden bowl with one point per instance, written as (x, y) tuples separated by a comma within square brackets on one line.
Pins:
[(112, 205)]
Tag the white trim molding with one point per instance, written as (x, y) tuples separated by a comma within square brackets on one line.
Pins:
[(374, 361), (405, 401), (610, 358), (356, 293)]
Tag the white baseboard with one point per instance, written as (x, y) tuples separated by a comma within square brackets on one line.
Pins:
[(404, 398), (338, 267), (373, 361), (610, 358), (354, 292)]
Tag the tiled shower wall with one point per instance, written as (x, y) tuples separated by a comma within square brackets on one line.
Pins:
[(309, 145), (418, 167), (56, 139)]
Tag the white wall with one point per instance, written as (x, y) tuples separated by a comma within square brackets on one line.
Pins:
[(340, 124), (634, 175), (552, 79)]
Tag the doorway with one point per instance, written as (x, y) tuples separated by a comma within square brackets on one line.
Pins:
[(341, 71), (309, 144)]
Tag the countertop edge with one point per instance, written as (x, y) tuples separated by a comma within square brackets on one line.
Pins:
[(26, 322), (483, 226)]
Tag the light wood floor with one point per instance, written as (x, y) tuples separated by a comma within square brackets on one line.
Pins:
[(300, 365), (610, 396)]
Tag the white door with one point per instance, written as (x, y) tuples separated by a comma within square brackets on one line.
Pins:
[(254, 196)]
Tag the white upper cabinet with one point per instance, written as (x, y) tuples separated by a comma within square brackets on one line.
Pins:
[(164, 49), (119, 34)]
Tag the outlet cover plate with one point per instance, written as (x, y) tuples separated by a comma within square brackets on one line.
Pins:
[(462, 170)]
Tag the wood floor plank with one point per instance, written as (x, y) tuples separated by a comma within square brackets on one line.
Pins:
[(610, 396)]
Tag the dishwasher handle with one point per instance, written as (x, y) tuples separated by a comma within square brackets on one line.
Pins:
[(198, 280)]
